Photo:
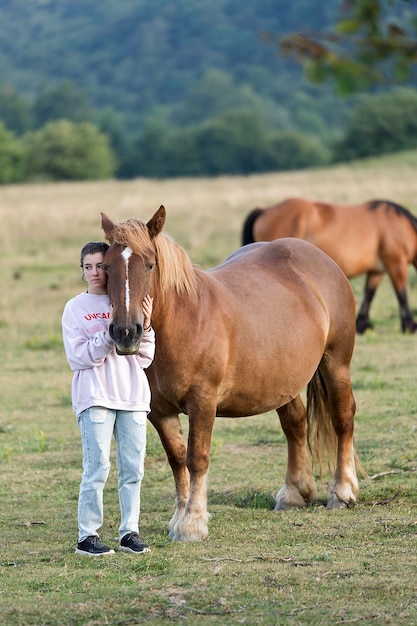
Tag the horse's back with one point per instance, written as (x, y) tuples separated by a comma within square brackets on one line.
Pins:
[(278, 255), (350, 235), (291, 266), (308, 219), (289, 218)]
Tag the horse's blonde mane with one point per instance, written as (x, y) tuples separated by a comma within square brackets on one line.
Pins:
[(174, 267)]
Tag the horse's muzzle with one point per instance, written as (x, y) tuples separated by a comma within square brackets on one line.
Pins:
[(127, 339), (124, 352)]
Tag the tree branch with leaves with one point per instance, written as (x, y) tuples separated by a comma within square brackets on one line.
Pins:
[(373, 42)]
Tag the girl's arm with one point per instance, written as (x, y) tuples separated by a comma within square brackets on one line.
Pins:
[(83, 352)]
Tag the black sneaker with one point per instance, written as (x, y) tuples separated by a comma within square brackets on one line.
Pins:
[(93, 546), (132, 543)]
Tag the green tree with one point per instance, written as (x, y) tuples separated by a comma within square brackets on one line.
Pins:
[(215, 94), (181, 156), (163, 152), (234, 143), (62, 101), (292, 150), (67, 151), (14, 111), (12, 157), (147, 154), (381, 124)]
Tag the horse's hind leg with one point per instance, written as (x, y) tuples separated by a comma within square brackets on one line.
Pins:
[(299, 488), (408, 323), (398, 276), (172, 439), (363, 321), (340, 407)]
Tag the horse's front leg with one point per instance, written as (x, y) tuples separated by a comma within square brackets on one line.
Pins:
[(299, 488), (193, 524), (171, 435)]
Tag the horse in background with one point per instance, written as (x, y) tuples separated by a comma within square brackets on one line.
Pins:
[(372, 238), (237, 340)]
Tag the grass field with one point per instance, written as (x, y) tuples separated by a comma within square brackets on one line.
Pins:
[(257, 567)]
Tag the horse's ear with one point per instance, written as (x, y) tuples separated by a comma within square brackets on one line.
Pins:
[(108, 226), (156, 223)]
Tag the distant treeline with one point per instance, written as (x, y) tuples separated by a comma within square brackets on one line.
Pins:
[(59, 137), (164, 88)]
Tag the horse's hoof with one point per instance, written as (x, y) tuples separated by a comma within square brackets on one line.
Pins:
[(289, 498), (286, 506), (410, 330), (362, 326), (336, 504), (190, 528)]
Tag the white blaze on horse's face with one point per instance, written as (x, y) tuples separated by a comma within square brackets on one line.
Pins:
[(126, 254)]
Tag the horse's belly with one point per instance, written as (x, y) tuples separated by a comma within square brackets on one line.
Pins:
[(353, 256), (269, 385), (234, 408)]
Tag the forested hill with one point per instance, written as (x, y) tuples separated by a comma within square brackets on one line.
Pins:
[(165, 88), (183, 61)]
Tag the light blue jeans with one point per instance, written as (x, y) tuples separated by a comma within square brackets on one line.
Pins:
[(97, 427)]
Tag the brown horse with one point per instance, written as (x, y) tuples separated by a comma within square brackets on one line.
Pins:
[(240, 339), (370, 238)]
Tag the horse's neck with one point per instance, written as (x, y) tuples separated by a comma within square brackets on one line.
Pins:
[(168, 311), (175, 312)]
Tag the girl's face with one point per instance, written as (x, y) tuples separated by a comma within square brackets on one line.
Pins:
[(95, 274)]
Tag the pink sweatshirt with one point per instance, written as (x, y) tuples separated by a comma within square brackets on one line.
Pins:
[(101, 376)]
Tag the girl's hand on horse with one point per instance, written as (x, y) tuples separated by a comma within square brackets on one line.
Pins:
[(147, 311)]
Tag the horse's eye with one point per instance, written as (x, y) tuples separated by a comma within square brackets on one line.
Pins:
[(150, 266), (106, 267)]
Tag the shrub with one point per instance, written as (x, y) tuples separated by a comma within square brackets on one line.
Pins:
[(381, 124), (291, 150), (67, 151), (234, 143), (12, 157)]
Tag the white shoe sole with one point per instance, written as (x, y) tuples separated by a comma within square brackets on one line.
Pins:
[(125, 549), (85, 553)]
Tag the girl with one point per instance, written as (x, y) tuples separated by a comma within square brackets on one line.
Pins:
[(110, 396)]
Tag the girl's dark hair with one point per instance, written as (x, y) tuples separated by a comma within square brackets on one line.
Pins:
[(91, 248)]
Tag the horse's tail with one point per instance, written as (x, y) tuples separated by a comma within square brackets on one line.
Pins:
[(247, 231), (321, 436)]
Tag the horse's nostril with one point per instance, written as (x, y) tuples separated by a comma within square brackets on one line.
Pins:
[(126, 334)]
